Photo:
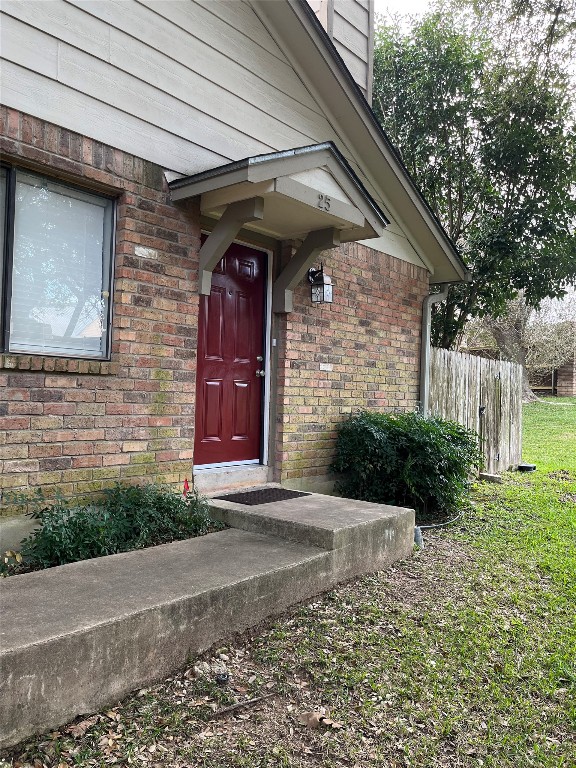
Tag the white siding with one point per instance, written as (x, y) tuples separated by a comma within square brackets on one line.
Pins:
[(172, 65), (350, 25), (186, 84)]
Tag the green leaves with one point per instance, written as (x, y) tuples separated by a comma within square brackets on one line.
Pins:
[(131, 517), (489, 137), (405, 460)]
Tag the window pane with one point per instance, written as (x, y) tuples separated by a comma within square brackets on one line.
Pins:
[(60, 270)]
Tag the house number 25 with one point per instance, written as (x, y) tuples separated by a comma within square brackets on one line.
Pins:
[(324, 202)]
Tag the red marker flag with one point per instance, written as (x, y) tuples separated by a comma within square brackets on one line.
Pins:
[(186, 488)]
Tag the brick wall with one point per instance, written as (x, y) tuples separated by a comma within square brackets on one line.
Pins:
[(360, 351), (80, 425)]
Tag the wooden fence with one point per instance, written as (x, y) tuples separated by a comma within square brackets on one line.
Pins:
[(483, 395)]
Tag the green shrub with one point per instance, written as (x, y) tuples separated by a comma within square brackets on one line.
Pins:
[(130, 517), (405, 460)]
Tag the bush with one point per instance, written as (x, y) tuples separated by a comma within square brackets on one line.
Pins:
[(130, 517), (405, 460)]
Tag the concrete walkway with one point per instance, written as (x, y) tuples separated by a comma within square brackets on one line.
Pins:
[(13, 530), (76, 638)]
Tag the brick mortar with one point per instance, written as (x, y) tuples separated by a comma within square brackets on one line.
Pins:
[(80, 425), (18, 362), (369, 337)]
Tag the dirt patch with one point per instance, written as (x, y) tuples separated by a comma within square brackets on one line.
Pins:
[(562, 474)]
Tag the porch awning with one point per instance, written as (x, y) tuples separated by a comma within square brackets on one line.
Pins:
[(309, 194)]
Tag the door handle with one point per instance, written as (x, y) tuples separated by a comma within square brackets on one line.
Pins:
[(261, 373)]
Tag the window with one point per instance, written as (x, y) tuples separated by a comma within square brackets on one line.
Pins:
[(57, 246)]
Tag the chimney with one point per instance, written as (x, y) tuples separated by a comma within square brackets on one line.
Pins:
[(350, 26)]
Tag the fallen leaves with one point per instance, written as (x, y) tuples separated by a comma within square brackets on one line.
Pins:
[(77, 730), (563, 475), (434, 663), (317, 719), (14, 555)]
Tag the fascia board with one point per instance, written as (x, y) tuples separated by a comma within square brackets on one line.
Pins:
[(295, 162), (286, 164), (182, 189), (320, 69), (261, 169)]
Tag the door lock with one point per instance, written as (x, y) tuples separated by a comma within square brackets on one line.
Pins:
[(261, 373), (259, 358)]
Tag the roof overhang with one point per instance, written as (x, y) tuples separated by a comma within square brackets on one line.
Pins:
[(321, 69), (309, 194), (303, 190)]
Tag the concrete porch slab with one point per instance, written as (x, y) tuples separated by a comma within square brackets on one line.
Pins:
[(361, 536), (325, 521), (76, 638)]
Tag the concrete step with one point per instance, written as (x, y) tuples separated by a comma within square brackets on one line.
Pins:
[(364, 531), (76, 638), (80, 636), (216, 479)]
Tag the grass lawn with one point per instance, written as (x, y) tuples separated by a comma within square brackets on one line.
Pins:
[(462, 656)]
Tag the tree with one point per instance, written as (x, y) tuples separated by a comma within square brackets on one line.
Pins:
[(542, 30), (491, 142), (539, 340)]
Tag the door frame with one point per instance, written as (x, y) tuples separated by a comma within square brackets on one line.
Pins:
[(267, 388)]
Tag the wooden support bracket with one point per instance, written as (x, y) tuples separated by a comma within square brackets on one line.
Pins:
[(299, 264), (223, 235)]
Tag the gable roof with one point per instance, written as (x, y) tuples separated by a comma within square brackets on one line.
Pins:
[(284, 181), (382, 171), (192, 86)]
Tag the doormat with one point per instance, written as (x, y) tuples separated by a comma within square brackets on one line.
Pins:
[(262, 496)]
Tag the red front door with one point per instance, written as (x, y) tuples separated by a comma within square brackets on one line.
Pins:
[(230, 341)]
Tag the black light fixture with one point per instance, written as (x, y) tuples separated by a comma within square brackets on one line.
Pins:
[(320, 286)]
